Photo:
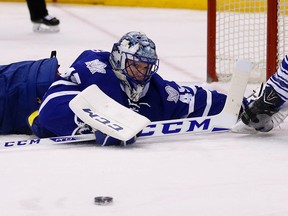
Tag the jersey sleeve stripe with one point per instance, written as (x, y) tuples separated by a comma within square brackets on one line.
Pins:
[(55, 95)]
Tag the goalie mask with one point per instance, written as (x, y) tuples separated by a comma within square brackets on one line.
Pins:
[(134, 61)]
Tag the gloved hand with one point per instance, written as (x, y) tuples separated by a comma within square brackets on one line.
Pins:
[(259, 113), (106, 140), (261, 122)]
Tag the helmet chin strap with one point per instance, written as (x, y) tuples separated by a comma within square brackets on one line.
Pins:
[(134, 93)]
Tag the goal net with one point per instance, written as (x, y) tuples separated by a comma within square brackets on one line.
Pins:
[(255, 30)]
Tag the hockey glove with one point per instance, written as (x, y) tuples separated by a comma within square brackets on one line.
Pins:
[(106, 140), (259, 113)]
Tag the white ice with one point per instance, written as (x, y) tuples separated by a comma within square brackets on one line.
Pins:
[(221, 174)]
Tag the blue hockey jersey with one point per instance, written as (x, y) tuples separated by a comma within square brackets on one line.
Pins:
[(162, 100)]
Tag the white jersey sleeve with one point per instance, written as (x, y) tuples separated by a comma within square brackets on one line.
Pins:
[(279, 80)]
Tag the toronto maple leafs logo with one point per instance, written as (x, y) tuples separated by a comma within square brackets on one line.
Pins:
[(173, 95), (96, 66)]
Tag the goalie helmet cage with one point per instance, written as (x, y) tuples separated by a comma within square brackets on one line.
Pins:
[(250, 29)]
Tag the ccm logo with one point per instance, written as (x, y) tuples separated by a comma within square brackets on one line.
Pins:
[(175, 127), (62, 139), (103, 120), (21, 142)]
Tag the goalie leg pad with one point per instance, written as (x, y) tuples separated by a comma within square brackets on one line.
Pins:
[(21, 84)]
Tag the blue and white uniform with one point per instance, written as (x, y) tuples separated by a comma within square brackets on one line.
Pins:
[(160, 99), (279, 80), (269, 110)]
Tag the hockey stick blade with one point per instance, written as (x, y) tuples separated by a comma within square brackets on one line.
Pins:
[(236, 91)]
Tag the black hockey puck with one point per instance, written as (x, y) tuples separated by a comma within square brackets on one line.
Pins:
[(103, 200)]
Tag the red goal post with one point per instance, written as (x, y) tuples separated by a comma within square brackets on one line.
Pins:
[(256, 30)]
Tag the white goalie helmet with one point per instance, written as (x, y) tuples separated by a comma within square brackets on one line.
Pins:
[(133, 51)]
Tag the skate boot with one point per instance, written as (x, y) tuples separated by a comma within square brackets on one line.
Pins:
[(47, 24)]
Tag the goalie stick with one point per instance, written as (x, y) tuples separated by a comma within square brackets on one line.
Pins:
[(207, 124), (42, 141)]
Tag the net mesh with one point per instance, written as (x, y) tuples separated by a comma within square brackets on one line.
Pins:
[(282, 29), (241, 32)]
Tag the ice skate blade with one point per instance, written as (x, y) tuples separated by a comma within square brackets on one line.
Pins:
[(42, 28)]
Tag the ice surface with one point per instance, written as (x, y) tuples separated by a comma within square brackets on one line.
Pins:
[(212, 175)]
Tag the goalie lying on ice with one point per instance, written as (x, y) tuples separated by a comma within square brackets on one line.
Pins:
[(128, 75)]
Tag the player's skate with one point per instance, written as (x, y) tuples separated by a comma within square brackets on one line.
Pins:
[(47, 24), (263, 114)]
